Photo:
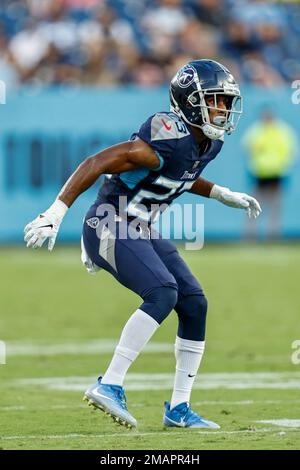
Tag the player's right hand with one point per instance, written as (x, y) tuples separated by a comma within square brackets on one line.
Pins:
[(45, 226), (41, 228)]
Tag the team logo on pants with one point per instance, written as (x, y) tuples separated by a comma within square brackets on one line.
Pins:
[(93, 222)]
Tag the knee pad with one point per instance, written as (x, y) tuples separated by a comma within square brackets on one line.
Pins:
[(192, 312), (160, 302)]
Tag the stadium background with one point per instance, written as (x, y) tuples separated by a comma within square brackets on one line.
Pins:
[(81, 75)]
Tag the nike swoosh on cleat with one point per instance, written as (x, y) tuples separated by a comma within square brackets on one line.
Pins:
[(180, 423), (191, 375)]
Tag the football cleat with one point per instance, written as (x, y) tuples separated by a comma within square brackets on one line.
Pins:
[(112, 400), (182, 416)]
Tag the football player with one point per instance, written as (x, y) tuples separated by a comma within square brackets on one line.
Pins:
[(159, 162)]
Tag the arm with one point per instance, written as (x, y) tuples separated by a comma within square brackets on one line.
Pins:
[(202, 187), (117, 159), (205, 188)]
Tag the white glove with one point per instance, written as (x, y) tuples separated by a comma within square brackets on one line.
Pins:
[(238, 200), (45, 226)]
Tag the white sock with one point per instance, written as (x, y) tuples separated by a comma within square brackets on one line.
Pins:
[(188, 355), (135, 335)]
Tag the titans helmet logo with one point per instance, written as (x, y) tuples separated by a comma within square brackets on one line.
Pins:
[(186, 76)]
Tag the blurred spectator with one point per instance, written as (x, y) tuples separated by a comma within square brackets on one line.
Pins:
[(81, 3), (211, 12), (8, 72), (189, 42), (96, 42), (271, 145), (255, 70), (168, 17), (27, 49), (148, 73), (162, 25)]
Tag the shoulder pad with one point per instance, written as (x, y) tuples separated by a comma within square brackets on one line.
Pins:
[(165, 126)]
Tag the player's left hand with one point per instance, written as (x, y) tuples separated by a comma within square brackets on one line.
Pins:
[(236, 199), (45, 226)]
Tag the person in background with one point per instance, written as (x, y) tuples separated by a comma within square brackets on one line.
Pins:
[(271, 145)]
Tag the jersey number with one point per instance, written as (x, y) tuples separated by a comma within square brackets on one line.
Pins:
[(135, 209)]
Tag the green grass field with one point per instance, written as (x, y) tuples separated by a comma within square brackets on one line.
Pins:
[(61, 325)]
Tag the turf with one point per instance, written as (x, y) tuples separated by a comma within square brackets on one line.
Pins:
[(48, 300)]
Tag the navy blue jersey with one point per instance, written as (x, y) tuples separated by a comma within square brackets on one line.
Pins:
[(181, 163)]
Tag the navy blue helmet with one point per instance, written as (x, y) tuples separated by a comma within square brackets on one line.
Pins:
[(193, 84)]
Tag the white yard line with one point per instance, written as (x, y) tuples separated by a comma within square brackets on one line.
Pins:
[(206, 381), (100, 346), (103, 346), (134, 434), (288, 423), (140, 405), (41, 408), (246, 402)]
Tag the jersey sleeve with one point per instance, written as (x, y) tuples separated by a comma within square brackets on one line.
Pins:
[(161, 133)]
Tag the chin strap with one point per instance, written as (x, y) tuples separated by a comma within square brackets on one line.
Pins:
[(212, 133)]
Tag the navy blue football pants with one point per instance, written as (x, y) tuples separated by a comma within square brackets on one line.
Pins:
[(150, 267)]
